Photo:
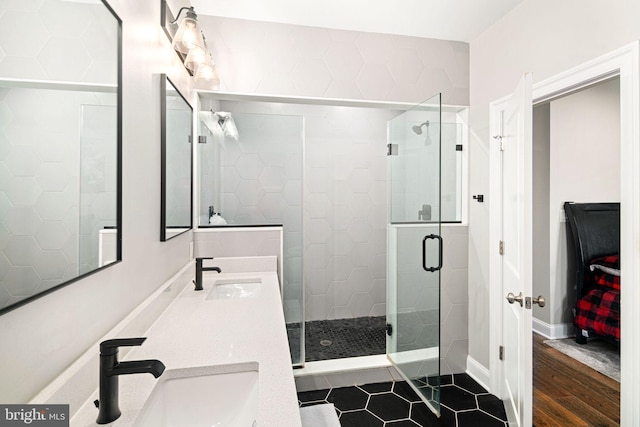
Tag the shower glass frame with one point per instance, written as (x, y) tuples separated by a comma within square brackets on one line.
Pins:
[(415, 248), (259, 143)]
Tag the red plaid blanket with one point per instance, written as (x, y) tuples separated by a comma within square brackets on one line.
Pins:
[(606, 271), (599, 311)]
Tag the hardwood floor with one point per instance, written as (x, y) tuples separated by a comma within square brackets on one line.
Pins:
[(568, 393)]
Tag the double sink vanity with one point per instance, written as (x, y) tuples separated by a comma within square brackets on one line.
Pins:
[(226, 354)]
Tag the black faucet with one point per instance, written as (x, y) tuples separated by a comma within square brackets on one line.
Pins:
[(111, 369), (200, 269)]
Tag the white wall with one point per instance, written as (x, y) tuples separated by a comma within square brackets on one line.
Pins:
[(42, 338), (541, 147), (584, 167), (294, 60), (544, 37)]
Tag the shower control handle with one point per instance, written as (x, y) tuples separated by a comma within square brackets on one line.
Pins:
[(424, 253)]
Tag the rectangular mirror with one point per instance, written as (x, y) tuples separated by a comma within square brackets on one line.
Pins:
[(176, 180), (60, 147)]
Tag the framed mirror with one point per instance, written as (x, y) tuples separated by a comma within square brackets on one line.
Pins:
[(60, 148), (176, 178)]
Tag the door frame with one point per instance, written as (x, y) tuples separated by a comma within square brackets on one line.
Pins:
[(625, 63)]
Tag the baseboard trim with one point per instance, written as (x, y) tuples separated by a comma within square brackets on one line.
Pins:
[(478, 372), (553, 332)]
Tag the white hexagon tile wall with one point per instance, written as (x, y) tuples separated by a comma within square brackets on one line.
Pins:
[(282, 59), (60, 41)]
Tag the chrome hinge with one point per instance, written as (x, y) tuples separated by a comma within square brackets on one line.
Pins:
[(392, 149), (501, 352), (500, 140), (501, 248)]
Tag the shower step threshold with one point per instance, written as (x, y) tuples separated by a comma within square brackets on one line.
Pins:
[(343, 365), (345, 372)]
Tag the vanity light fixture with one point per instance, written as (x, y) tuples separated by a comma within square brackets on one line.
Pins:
[(189, 43), (206, 74), (188, 36)]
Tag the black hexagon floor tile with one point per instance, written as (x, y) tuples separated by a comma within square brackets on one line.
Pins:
[(478, 419), (313, 396), (464, 404), (456, 398), (377, 387), (402, 423), (361, 418), (466, 382), (348, 398), (388, 406), (404, 390), (444, 380), (304, 404), (492, 405), (422, 415)]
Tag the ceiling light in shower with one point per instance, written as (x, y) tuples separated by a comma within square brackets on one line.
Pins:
[(210, 121), (228, 125)]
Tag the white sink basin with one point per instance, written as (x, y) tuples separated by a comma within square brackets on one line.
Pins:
[(211, 396), (235, 288)]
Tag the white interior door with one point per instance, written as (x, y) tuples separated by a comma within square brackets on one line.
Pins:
[(516, 250)]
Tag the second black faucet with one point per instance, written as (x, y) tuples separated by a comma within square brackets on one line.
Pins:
[(199, 269)]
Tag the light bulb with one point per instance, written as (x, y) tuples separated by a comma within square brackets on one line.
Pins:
[(206, 74), (195, 57), (188, 35)]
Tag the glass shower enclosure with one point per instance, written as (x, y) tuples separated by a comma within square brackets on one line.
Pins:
[(252, 177), (414, 251)]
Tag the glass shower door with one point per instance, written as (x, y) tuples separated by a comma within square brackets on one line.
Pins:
[(414, 248)]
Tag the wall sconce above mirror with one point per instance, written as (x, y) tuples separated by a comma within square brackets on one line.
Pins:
[(190, 45), (176, 156), (60, 139)]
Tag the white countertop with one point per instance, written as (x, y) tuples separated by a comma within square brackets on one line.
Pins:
[(195, 332)]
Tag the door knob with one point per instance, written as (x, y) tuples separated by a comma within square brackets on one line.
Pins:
[(512, 298), (540, 301)]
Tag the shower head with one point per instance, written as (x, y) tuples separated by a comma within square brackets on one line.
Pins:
[(418, 129)]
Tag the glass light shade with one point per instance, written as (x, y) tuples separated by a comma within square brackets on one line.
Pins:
[(195, 58), (206, 74), (188, 35)]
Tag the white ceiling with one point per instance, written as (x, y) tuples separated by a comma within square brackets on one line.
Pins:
[(460, 20)]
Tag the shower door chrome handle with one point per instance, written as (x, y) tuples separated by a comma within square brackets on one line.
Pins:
[(424, 253)]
